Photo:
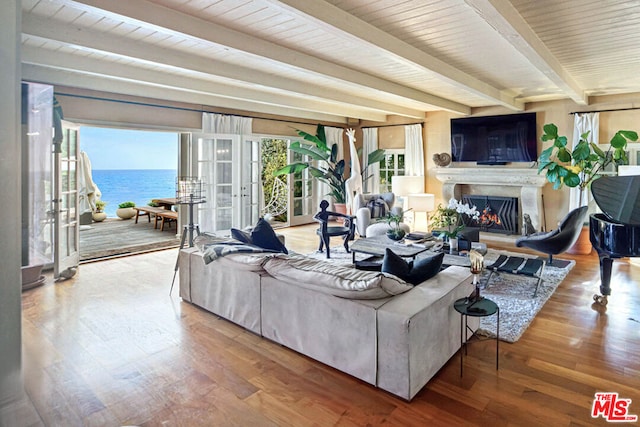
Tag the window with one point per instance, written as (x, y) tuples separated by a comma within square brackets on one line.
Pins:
[(393, 164)]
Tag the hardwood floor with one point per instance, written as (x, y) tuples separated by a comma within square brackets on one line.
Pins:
[(111, 347)]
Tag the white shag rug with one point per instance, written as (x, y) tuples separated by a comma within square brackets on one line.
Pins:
[(512, 293)]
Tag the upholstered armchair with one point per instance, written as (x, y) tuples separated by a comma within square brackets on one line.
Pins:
[(559, 240), (367, 213)]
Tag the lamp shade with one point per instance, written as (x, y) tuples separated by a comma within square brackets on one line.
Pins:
[(403, 185), (626, 170), (422, 202)]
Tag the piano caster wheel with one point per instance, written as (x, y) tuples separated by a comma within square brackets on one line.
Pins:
[(600, 299)]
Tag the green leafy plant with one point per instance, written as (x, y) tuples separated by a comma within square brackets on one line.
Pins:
[(329, 169), (126, 205), (100, 205), (153, 204), (578, 168)]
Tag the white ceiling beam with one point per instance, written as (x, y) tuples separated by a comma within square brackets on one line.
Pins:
[(87, 65), (37, 73), (504, 18), (171, 21), (85, 38), (332, 17)]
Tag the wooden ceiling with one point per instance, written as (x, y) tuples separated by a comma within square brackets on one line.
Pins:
[(337, 59)]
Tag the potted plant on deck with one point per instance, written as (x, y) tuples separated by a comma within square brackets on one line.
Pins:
[(581, 166), (99, 215), (125, 210)]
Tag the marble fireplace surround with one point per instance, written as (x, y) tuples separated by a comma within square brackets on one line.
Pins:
[(524, 183)]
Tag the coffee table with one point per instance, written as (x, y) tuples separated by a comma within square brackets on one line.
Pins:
[(377, 245)]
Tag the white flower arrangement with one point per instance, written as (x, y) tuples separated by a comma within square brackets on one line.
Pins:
[(451, 217)]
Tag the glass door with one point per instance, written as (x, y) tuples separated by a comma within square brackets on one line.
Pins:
[(230, 169), (301, 194), (66, 230)]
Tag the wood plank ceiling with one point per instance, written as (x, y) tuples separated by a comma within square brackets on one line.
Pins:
[(337, 59)]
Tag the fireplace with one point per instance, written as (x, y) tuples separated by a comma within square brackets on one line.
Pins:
[(497, 214)]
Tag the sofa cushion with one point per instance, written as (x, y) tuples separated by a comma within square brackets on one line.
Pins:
[(338, 280), (378, 207), (263, 235), (241, 236), (414, 272)]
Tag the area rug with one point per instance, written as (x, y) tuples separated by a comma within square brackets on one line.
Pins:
[(513, 294)]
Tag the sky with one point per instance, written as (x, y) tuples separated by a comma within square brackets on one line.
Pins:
[(109, 148)]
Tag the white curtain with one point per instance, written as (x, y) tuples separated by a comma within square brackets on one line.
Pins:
[(588, 122), (88, 191), (222, 124), (334, 137), (414, 152), (372, 172)]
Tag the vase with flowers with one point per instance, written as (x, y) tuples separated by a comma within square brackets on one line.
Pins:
[(450, 222)]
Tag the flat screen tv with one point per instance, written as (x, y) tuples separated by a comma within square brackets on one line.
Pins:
[(494, 140)]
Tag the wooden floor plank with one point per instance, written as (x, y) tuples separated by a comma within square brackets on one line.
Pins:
[(111, 347)]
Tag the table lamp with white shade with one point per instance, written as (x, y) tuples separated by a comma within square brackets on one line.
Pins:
[(403, 185), (419, 204)]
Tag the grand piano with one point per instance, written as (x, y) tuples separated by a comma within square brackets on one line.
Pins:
[(615, 233)]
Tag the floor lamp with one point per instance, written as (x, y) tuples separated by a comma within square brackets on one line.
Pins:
[(189, 191)]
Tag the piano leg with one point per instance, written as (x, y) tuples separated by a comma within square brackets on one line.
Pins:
[(606, 264)]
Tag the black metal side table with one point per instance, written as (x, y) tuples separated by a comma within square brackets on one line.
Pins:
[(480, 308)]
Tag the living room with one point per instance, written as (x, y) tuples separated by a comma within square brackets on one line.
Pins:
[(164, 360)]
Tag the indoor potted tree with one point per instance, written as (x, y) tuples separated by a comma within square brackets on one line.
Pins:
[(329, 169), (580, 167), (125, 210)]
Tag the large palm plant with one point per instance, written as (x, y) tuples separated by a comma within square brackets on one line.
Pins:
[(323, 162)]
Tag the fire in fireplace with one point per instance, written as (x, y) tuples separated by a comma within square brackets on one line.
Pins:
[(497, 214)]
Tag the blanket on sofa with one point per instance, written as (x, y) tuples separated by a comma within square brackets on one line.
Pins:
[(214, 247)]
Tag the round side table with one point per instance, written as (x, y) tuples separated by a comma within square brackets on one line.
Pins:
[(480, 308)]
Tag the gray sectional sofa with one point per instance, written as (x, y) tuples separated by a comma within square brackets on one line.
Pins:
[(375, 327)]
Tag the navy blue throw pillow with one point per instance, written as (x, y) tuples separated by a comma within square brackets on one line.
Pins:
[(264, 237), (241, 236), (395, 264), (425, 268), (414, 272)]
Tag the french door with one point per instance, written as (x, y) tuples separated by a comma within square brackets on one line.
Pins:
[(65, 203), (302, 204), (229, 165)]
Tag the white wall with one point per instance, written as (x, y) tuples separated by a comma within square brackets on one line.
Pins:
[(11, 387)]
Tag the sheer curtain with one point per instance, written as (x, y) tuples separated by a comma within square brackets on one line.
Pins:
[(220, 123), (372, 172), (588, 122), (414, 152)]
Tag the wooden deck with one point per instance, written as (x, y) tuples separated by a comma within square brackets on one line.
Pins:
[(117, 237)]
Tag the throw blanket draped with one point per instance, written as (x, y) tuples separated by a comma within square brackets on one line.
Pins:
[(215, 247)]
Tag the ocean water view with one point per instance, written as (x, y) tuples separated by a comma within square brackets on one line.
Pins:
[(135, 185)]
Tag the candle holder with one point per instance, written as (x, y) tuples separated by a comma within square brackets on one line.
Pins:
[(476, 267)]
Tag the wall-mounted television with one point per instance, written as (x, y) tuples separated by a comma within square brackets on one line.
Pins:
[(494, 140)]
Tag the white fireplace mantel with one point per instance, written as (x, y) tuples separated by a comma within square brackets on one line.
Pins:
[(528, 180)]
